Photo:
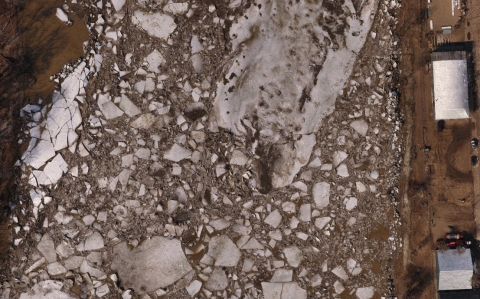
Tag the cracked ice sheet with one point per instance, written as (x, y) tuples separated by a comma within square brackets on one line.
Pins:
[(38, 152), (270, 81), (61, 121), (62, 118)]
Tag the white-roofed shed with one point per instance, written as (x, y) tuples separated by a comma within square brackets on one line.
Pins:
[(454, 269), (450, 85)]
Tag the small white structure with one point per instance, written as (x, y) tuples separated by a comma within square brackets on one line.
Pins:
[(450, 85), (454, 269)]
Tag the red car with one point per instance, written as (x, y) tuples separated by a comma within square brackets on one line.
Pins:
[(454, 240)]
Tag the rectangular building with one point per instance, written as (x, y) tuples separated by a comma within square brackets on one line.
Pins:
[(450, 85), (454, 269)]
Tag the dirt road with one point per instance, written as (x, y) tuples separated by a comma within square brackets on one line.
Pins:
[(437, 183)]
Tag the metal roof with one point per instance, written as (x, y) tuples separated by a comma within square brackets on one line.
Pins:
[(450, 85), (454, 269)]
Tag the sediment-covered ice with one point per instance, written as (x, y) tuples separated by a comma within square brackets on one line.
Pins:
[(268, 83), (269, 75)]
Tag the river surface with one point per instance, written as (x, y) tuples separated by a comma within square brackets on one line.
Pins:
[(50, 44)]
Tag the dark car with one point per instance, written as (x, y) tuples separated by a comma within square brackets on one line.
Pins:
[(474, 160), (440, 125), (474, 143)]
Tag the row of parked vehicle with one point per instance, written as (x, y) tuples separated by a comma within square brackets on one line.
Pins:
[(453, 241)]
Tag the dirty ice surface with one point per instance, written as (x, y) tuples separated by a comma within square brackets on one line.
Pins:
[(194, 151), (288, 70)]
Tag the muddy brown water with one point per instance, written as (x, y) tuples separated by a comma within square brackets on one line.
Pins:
[(50, 44), (34, 45)]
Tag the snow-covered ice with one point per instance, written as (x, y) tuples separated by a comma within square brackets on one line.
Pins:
[(156, 24)]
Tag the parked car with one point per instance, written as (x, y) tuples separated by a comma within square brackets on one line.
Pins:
[(474, 160), (452, 244), (474, 143), (440, 125), (454, 240), (455, 236)]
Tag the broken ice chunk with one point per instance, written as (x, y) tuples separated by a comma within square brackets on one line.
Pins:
[(177, 153), (40, 291), (41, 152), (322, 221), (196, 45), (252, 244), (118, 4), (342, 170), (140, 86), (175, 8), (56, 269), (350, 203), (300, 186), (223, 251), (365, 293), (338, 286), (321, 194), (282, 275), (156, 24), (305, 212), (277, 290), (274, 219), (351, 263), (87, 267), (128, 107), (154, 60), (47, 248), (315, 163), (219, 224), (144, 121), (361, 126), (143, 153), (94, 242), (197, 63), (108, 108), (316, 280), (102, 290), (361, 187), (62, 16), (238, 158), (194, 287), (217, 281), (340, 273), (123, 177), (36, 197), (338, 157), (158, 261), (293, 255), (55, 169)]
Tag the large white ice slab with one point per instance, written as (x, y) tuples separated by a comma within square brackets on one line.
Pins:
[(156, 24), (270, 82)]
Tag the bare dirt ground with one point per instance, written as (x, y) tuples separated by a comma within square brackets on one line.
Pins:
[(438, 193)]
